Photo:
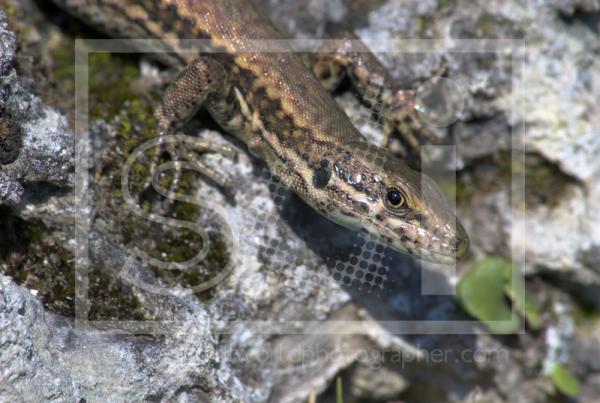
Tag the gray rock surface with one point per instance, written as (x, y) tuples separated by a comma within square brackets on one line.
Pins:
[(46, 150), (551, 105)]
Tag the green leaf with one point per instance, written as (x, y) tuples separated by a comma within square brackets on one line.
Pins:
[(564, 381), (524, 303), (481, 292)]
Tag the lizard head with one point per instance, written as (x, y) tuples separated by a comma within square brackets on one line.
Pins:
[(371, 190)]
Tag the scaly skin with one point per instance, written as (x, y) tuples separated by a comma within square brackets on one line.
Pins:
[(273, 103)]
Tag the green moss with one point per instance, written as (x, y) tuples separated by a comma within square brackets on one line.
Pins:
[(36, 261), (58, 69), (463, 193), (9, 8), (110, 86), (164, 243), (135, 125), (423, 24), (544, 183), (186, 211), (111, 299), (585, 313), (176, 246), (455, 189), (63, 56), (486, 26), (113, 99), (215, 261)]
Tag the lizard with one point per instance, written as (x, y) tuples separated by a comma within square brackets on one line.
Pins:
[(282, 110)]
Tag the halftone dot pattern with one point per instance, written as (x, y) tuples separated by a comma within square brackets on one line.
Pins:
[(364, 266), (264, 226), (367, 263)]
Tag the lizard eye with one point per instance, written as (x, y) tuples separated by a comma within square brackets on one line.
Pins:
[(394, 197)]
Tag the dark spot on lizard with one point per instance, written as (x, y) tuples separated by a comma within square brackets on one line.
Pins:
[(321, 174), (172, 8)]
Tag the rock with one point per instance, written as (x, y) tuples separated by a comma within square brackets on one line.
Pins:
[(262, 334), (7, 46), (29, 368), (10, 191), (378, 384), (45, 141), (551, 108), (44, 357)]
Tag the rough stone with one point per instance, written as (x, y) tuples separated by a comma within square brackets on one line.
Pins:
[(262, 335)]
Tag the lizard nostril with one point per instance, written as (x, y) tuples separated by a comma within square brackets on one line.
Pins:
[(455, 243), (459, 245)]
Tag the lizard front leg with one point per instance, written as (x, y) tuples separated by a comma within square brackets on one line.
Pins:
[(203, 80), (350, 57)]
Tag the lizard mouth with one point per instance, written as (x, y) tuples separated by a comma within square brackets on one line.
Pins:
[(420, 244), (436, 249), (429, 246)]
